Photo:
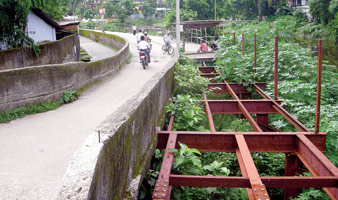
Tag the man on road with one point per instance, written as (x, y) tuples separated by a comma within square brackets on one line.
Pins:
[(144, 46)]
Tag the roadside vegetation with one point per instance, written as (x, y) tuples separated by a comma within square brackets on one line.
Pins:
[(297, 86), (16, 113)]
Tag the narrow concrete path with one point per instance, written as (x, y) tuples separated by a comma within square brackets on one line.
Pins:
[(35, 151), (96, 50)]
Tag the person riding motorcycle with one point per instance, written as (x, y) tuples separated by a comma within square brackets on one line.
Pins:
[(144, 46), (147, 39)]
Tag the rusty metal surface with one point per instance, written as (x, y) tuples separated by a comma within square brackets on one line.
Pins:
[(304, 147), (162, 189), (290, 182), (275, 96), (319, 85), (225, 141)]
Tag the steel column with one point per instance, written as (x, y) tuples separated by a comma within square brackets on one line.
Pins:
[(319, 85), (275, 96), (291, 165)]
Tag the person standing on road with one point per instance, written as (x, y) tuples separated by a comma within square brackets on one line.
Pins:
[(144, 46), (134, 29), (138, 36)]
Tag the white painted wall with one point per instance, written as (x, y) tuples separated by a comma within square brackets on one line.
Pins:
[(39, 30)]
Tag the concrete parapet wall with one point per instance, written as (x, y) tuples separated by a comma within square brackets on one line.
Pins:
[(60, 51), (40, 83), (113, 169)]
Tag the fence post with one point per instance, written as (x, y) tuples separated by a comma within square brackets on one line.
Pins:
[(319, 85), (255, 57), (276, 70), (243, 44)]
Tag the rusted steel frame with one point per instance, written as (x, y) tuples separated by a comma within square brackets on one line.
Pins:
[(251, 195), (162, 190), (257, 186), (244, 182), (243, 44), (244, 111), (225, 141), (207, 69), (267, 128), (209, 75), (255, 56), (262, 119), (317, 163), (275, 96), (237, 88), (291, 166), (251, 106), (204, 65), (209, 114), (319, 85), (282, 111)]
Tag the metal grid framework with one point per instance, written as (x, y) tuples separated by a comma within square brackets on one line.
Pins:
[(302, 148)]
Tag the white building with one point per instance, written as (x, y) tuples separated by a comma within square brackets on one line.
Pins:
[(40, 27)]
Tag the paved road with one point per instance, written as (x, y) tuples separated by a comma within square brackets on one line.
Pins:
[(95, 50), (35, 151)]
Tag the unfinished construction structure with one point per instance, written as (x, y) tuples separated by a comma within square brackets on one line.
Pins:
[(303, 148)]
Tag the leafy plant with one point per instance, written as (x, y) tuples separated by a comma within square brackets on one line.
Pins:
[(70, 96), (216, 169), (186, 160), (188, 115)]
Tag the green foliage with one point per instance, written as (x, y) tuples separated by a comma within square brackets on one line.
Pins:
[(9, 115), (187, 161), (319, 9), (312, 194), (188, 115), (147, 11), (70, 96), (186, 79)]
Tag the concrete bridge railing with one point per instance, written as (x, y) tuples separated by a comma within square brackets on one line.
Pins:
[(61, 51), (48, 82), (114, 167)]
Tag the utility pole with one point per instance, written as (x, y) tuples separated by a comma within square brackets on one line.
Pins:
[(215, 10), (178, 36)]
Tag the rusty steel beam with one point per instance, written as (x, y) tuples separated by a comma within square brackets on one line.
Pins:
[(243, 110), (316, 162), (252, 106), (225, 141), (209, 114), (237, 88), (282, 111), (257, 186), (251, 195), (244, 182), (207, 70), (204, 65), (209, 75), (319, 85), (162, 190)]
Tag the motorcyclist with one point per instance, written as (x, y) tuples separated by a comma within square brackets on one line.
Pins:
[(144, 46)]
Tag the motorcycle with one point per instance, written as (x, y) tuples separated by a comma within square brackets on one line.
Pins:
[(144, 59)]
